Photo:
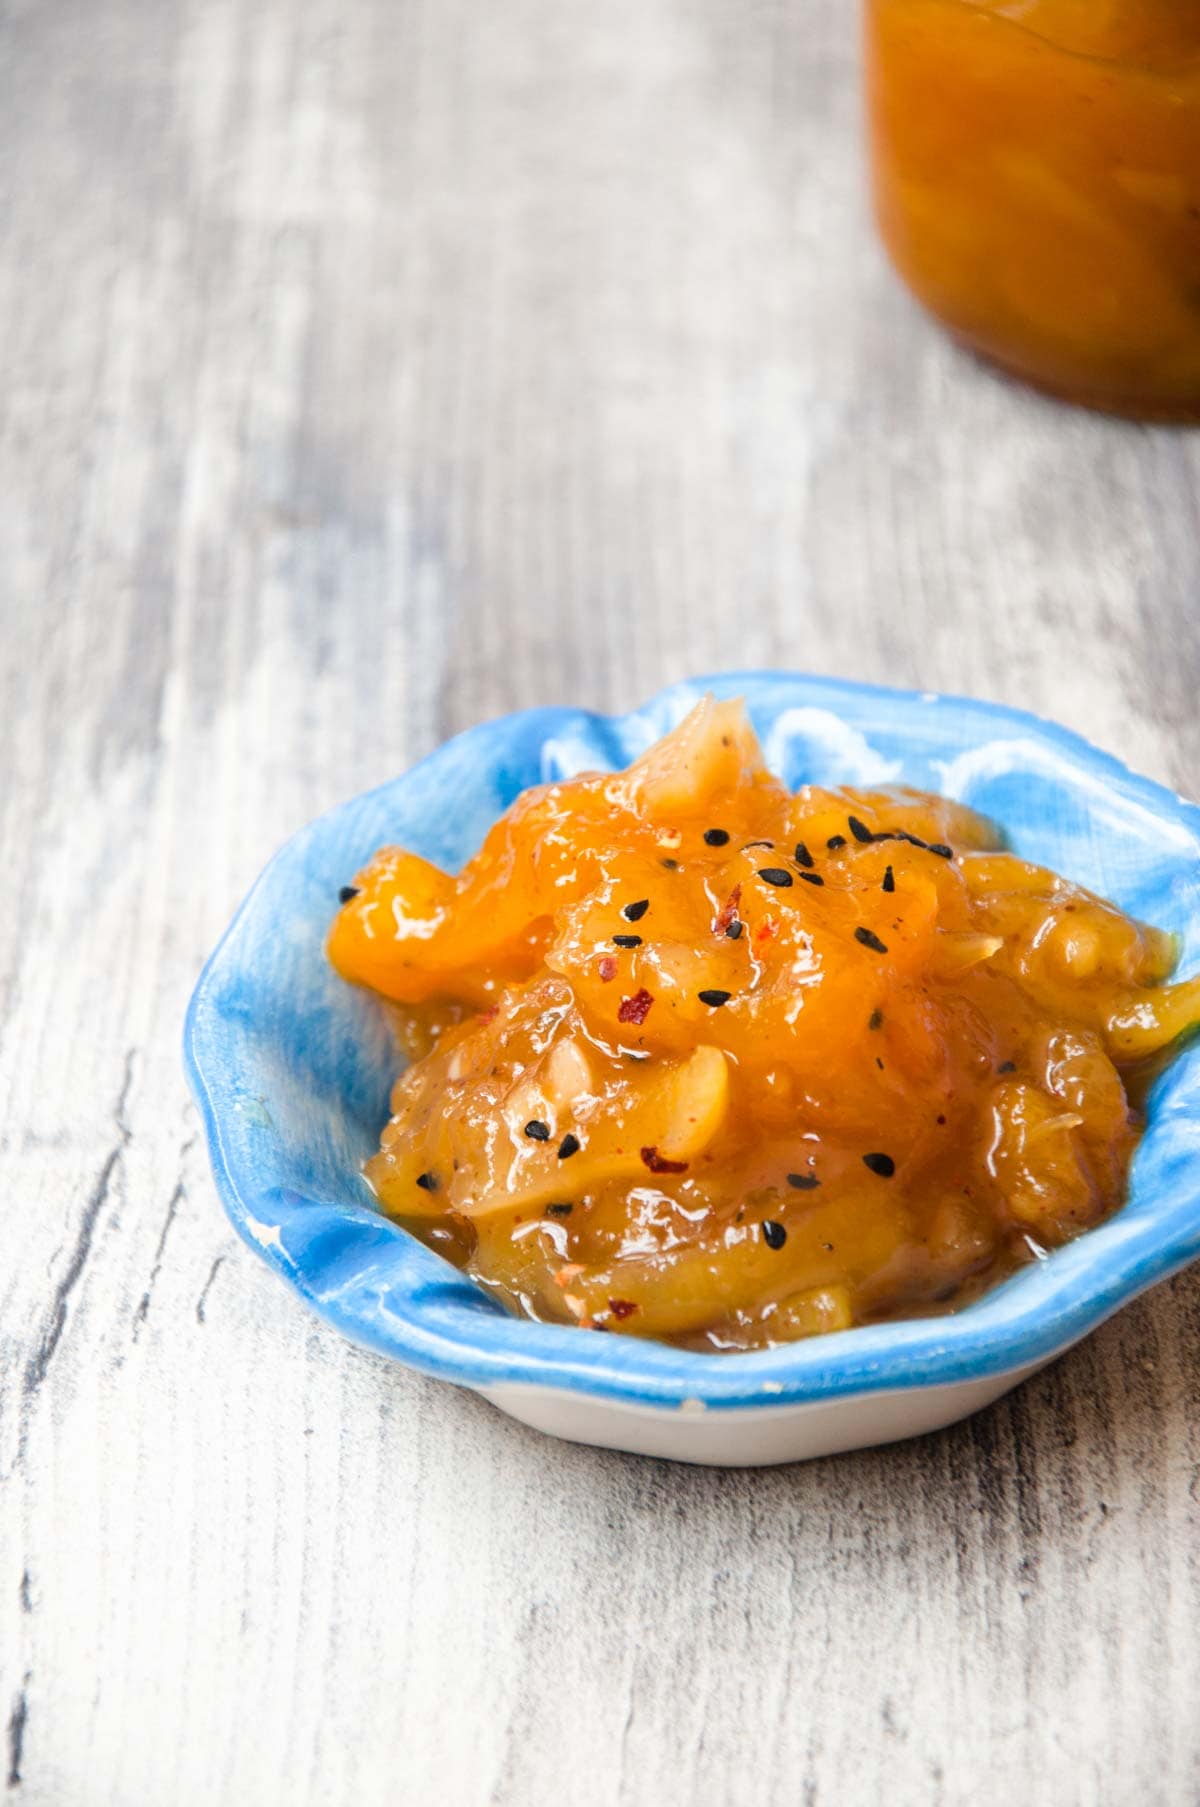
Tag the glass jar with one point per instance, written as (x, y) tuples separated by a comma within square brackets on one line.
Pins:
[(1037, 181)]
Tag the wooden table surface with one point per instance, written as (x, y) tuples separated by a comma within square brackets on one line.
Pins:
[(369, 367)]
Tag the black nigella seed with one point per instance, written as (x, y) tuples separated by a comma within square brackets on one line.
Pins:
[(775, 875), (635, 911), (835, 841), (559, 1210), (428, 1182), (859, 830), (568, 1146), (882, 1164), (889, 880), (714, 999), (734, 931), (1007, 1066), (671, 865), (875, 1020), (914, 840), (802, 856), (537, 1131), (812, 878), (627, 941), (716, 837), (774, 1234), (347, 892), (803, 1182), (870, 939)]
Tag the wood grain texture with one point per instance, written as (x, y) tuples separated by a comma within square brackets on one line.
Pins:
[(369, 367)]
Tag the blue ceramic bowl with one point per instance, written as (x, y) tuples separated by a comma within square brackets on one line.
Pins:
[(292, 1068)]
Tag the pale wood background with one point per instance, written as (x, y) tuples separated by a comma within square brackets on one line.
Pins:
[(368, 367)]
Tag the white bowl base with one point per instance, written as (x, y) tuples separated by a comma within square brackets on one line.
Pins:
[(752, 1436)]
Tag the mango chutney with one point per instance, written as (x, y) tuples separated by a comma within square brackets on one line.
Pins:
[(1037, 182), (697, 1058)]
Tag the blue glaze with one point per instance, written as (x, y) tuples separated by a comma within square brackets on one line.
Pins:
[(292, 1068)]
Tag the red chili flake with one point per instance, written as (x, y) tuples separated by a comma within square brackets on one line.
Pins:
[(728, 912), (488, 1015), (658, 1163), (622, 1308), (766, 929), (606, 966), (637, 1008)]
